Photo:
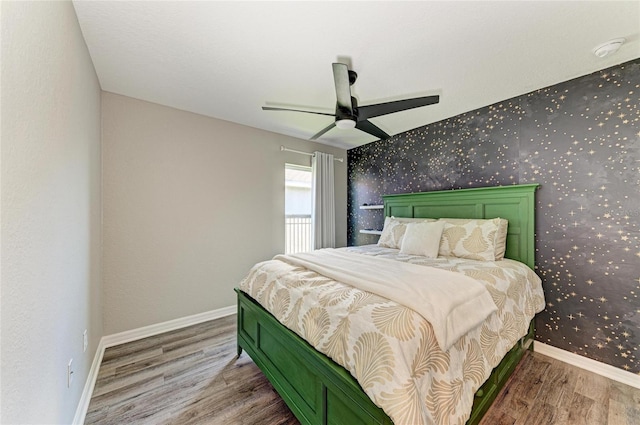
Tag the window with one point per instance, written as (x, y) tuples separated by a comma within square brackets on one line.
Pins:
[(297, 209)]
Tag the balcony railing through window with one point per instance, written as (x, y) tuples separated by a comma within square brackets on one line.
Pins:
[(297, 233)]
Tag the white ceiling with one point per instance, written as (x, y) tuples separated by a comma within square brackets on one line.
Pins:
[(227, 59)]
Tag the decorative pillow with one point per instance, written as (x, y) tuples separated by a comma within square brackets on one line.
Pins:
[(413, 220), (392, 233), (394, 228), (422, 239), (475, 239)]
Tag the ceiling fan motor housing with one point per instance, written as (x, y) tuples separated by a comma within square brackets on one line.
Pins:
[(352, 77)]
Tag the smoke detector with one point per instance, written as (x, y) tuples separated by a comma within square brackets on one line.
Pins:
[(608, 48)]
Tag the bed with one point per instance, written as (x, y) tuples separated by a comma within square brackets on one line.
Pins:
[(320, 391)]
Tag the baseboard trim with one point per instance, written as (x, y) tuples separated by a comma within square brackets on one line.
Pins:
[(591, 365), (133, 335), (171, 325), (87, 391)]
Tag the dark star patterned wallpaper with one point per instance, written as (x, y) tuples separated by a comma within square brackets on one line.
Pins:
[(580, 140)]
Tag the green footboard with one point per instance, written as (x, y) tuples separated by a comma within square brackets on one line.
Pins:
[(318, 390)]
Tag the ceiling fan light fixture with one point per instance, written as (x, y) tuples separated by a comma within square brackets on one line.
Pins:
[(349, 115), (345, 124)]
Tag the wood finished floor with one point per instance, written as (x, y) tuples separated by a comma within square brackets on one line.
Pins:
[(192, 376)]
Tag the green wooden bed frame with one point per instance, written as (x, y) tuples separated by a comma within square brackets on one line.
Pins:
[(318, 390)]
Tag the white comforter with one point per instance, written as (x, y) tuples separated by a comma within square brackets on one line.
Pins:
[(451, 302)]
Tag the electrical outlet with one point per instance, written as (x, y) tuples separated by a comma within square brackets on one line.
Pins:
[(69, 373), (85, 341)]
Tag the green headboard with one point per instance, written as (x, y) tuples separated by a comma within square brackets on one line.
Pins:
[(515, 203)]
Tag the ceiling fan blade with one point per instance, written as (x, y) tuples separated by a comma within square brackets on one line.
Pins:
[(343, 92), (368, 127), (371, 111), (324, 130), (269, 108)]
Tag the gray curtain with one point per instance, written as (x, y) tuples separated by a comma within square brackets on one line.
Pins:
[(323, 206)]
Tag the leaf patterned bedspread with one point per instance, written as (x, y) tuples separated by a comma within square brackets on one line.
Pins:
[(390, 349)]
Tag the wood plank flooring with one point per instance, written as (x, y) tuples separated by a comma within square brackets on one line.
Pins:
[(192, 376), (546, 391)]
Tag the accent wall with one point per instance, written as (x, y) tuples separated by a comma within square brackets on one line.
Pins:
[(580, 140)]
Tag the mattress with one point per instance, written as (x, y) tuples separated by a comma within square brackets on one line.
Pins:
[(390, 349)]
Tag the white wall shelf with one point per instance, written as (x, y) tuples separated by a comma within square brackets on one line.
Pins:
[(371, 232), (371, 207)]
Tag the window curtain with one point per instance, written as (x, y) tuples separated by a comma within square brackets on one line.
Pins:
[(323, 205)]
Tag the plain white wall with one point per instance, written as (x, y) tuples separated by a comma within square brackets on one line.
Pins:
[(190, 204), (51, 209)]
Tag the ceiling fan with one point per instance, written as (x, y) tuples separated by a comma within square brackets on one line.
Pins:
[(349, 115)]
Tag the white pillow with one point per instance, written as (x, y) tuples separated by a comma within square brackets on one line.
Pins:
[(422, 239)]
